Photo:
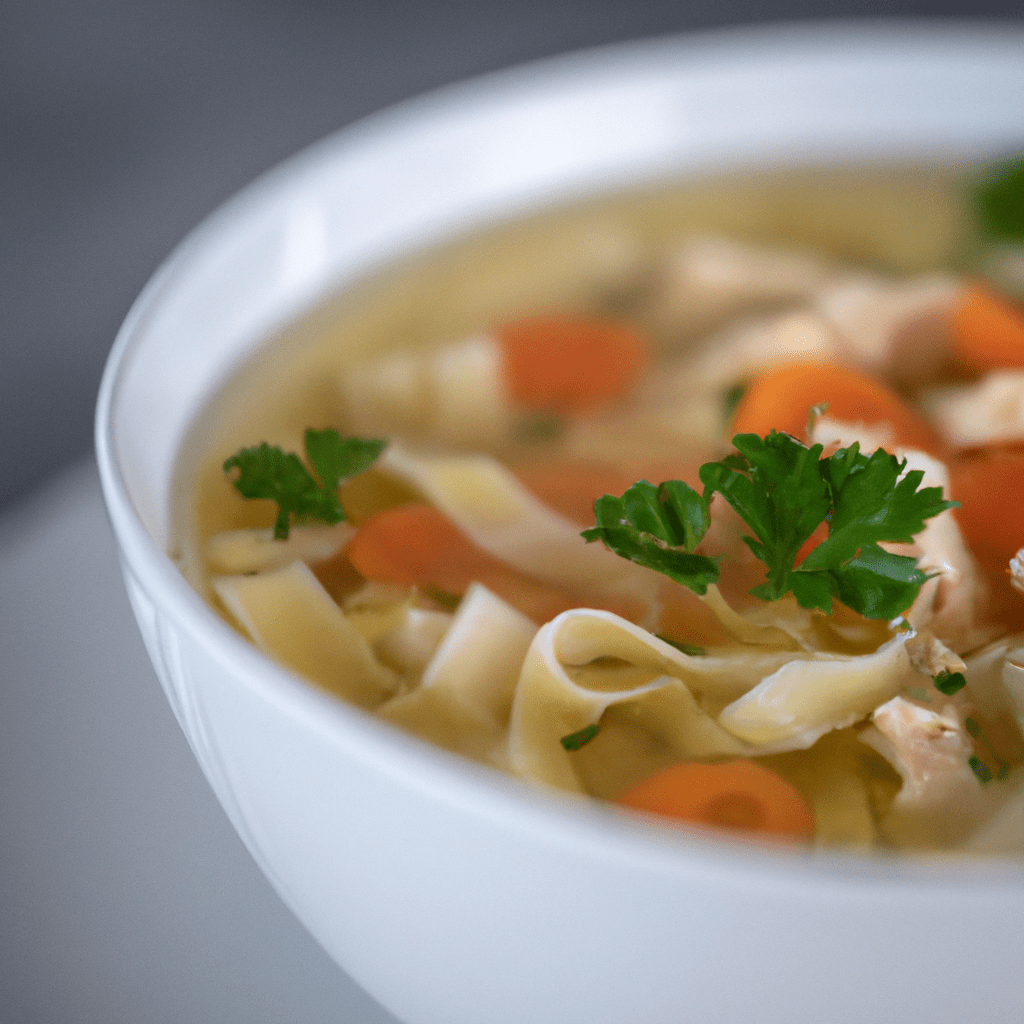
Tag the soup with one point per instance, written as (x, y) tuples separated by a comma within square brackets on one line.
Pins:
[(790, 632)]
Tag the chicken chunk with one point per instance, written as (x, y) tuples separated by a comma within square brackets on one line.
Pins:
[(708, 279), (987, 412), (897, 329), (941, 800)]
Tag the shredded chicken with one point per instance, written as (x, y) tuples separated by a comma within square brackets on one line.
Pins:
[(941, 800), (752, 346), (1017, 570), (984, 413), (709, 278), (897, 329)]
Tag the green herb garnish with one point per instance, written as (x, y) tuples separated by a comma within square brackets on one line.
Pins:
[(581, 738), (658, 527), (976, 732), (265, 471), (1000, 202), (445, 598), (784, 491), (731, 399), (693, 650), (982, 772), (950, 682)]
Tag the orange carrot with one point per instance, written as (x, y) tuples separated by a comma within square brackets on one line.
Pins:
[(782, 398), (416, 545), (990, 489), (987, 329), (569, 363), (740, 795)]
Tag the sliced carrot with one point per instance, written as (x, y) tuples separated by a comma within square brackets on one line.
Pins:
[(819, 536), (416, 545), (782, 398), (569, 363), (987, 329), (990, 489), (739, 795)]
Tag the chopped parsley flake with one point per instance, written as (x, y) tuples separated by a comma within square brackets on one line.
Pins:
[(581, 738)]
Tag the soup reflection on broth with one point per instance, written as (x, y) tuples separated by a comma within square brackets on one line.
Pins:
[(778, 622)]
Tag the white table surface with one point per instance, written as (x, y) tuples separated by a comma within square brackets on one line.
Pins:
[(125, 895)]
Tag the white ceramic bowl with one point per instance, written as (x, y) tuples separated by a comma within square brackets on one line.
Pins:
[(454, 895)]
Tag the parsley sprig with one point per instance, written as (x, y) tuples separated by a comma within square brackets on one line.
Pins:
[(265, 471), (1000, 201), (784, 491), (658, 527)]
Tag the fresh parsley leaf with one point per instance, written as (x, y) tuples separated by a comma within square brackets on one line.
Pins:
[(1000, 202), (265, 471), (581, 738), (784, 491), (982, 772), (335, 458), (658, 527), (776, 486), (731, 399), (949, 683), (447, 600), (976, 732), (694, 650)]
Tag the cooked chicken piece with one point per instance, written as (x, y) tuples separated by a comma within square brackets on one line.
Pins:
[(897, 329), (941, 800), (931, 657), (983, 413), (1017, 570), (951, 603), (752, 346), (708, 279)]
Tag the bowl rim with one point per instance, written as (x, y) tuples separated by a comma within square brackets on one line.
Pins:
[(447, 777)]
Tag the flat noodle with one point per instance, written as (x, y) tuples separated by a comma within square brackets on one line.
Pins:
[(586, 660), (464, 699), (255, 550), (805, 699), (486, 501), (290, 616)]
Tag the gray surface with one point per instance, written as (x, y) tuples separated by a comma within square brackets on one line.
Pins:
[(125, 896), (124, 122)]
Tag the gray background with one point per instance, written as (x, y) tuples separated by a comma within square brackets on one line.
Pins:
[(124, 122)]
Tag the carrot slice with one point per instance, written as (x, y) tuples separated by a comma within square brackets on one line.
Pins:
[(418, 546), (782, 398), (570, 364), (987, 329), (739, 795), (990, 489)]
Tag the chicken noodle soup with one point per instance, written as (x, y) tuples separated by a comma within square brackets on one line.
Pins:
[(808, 625)]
